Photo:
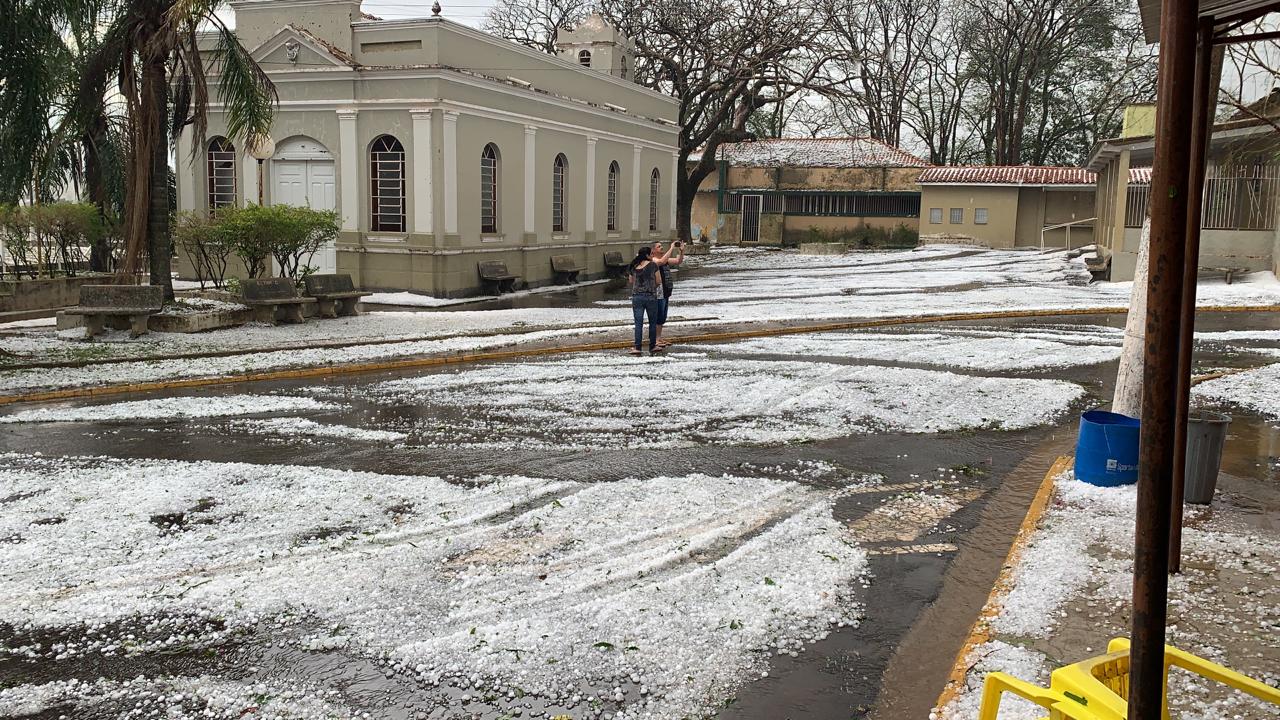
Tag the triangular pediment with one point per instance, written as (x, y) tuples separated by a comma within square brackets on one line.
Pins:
[(296, 48)]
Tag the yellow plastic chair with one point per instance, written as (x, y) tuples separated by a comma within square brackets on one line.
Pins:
[(1060, 707), (1103, 681)]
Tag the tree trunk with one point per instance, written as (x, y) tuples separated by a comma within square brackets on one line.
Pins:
[(96, 181), (684, 217), (1128, 394), (159, 246)]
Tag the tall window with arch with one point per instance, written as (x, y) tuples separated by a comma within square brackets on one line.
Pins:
[(221, 173), (557, 193), (584, 58), (612, 207), (489, 176), (386, 174), (655, 185)]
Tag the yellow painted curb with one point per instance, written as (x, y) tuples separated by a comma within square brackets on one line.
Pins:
[(981, 631), (435, 360)]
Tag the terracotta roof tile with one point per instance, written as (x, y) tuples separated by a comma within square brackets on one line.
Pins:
[(842, 152), (1006, 175), (1019, 175)]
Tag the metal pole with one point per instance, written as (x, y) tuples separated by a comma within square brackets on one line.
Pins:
[(1159, 378), (1206, 83), (259, 183)]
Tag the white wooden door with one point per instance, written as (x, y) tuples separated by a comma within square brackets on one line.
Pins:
[(308, 183), (291, 183), (322, 194)]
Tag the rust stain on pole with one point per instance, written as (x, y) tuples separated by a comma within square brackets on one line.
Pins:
[(1208, 75), (1170, 174)]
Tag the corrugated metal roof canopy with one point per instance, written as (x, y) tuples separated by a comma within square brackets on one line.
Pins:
[(1223, 10)]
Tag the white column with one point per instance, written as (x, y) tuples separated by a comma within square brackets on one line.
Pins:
[(450, 172), (635, 188), (186, 173), (248, 171), (672, 184), (591, 185), (349, 167), (423, 188), (530, 177)]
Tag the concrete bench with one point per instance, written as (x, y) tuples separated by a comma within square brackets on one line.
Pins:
[(1228, 272), (273, 300), (566, 269), (136, 302), (496, 277), (335, 294), (615, 265)]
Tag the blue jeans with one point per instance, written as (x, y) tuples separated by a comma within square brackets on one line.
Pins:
[(653, 306), (662, 316)]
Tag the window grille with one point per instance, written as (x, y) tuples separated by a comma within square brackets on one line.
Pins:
[(957, 216), (935, 216), (655, 182), (557, 193), (386, 174), (222, 173), (612, 214), (980, 216), (489, 189)]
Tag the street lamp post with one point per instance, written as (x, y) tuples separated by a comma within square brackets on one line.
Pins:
[(260, 148)]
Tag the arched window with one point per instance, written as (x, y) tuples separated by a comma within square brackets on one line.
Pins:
[(584, 58), (386, 175), (655, 183), (489, 169), (625, 71), (222, 173), (612, 213), (557, 193)]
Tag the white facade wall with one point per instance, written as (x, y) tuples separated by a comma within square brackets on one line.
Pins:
[(443, 118)]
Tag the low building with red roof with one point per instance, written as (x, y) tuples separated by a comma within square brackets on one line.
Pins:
[(1007, 206)]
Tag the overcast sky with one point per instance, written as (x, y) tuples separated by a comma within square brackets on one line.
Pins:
[(469, 12)]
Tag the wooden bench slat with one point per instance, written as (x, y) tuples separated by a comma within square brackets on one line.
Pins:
[(494, 275)]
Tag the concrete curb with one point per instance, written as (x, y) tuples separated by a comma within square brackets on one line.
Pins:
[(436, 360), (981, 631)]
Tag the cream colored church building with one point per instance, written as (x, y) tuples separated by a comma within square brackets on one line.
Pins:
[(442, 146)]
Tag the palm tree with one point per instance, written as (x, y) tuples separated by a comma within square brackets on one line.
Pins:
[(153, 46), (150, 51)]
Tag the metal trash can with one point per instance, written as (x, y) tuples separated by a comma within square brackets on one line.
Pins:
[(1206, 432)]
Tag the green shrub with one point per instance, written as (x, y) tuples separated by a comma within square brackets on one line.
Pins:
[(289, 235), (866, 236), (15, 235), (51, 238), (207, 243)]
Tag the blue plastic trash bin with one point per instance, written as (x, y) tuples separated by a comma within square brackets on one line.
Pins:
[(1107, 449)]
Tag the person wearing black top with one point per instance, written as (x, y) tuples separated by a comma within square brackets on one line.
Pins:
[(667, 284)]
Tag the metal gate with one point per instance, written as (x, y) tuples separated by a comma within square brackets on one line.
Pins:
[(751, 218)]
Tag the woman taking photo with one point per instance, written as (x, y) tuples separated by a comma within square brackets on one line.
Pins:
[(646, 295)]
